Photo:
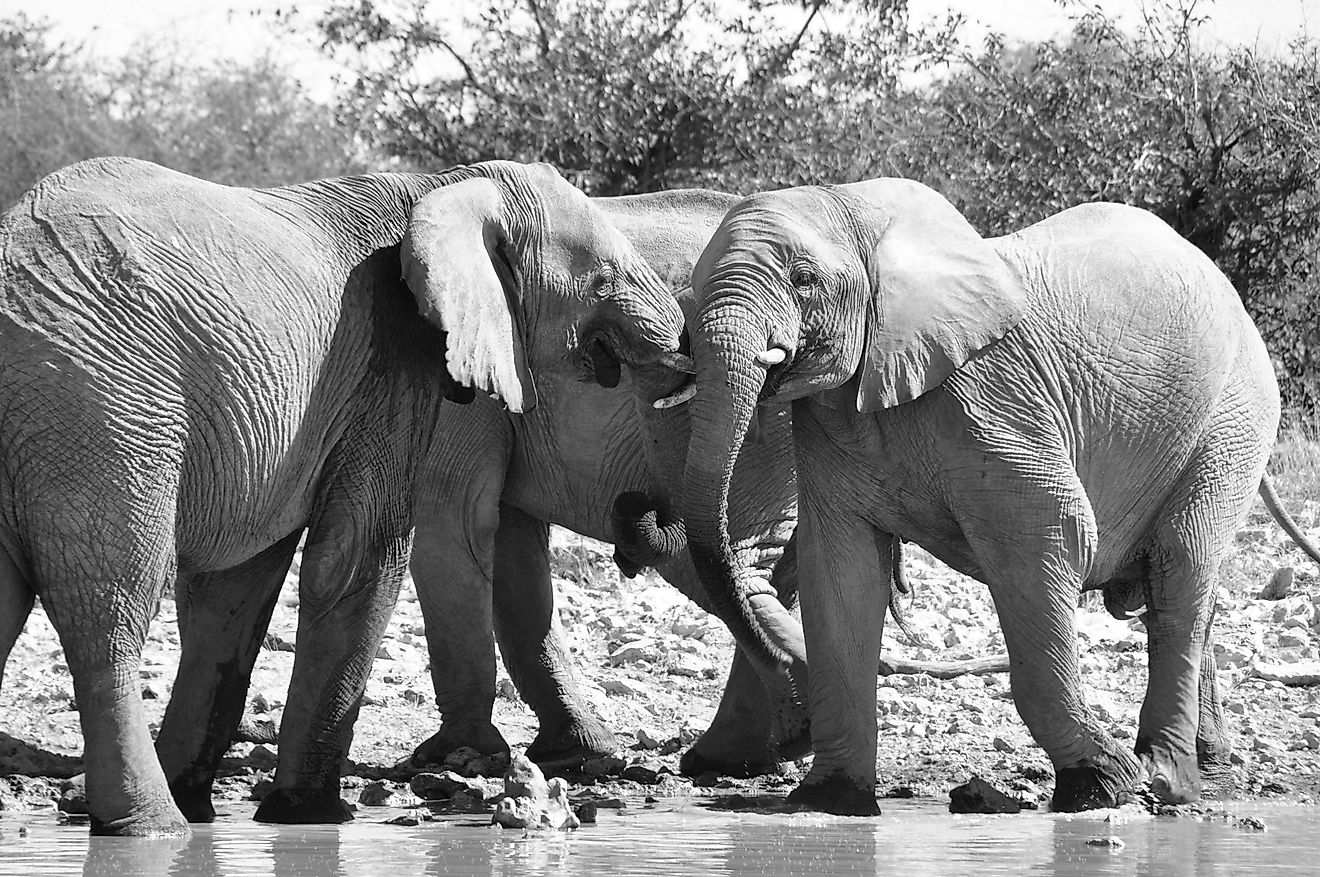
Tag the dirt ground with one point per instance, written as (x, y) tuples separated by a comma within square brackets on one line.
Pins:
[(655, 666)]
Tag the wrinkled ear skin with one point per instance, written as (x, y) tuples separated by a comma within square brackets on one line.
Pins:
[(939, 292), (454, 259)]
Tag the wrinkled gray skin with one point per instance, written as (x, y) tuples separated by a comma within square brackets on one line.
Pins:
[(192, 374), (481, 541), (1084, 404)]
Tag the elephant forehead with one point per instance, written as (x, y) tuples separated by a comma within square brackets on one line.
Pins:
[(766, 238)]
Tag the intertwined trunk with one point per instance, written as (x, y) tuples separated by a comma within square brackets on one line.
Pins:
[(729, 380)]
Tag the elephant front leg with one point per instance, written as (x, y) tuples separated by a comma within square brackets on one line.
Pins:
[(451, 568), (347, 592), (844, 566), (223, 618), (532, 645)]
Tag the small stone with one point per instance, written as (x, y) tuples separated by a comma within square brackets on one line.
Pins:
[(634, 651), (383, 653), (261, 788), (1115, 843), (586, 812), (506, 689), (604, 765), (524, 779), (1311, 738), (441, 786), (261, 758), (73, 800), (690, 629), (407, 820), (1002, 745), (647, 740), (1288, 639), (261, 731), (625, 687), (276, 643), (459, 758), (152, 691), (639, 773), (1280, 584), (377, 793), (978, 796)]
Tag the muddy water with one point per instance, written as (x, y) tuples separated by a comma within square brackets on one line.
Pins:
[(912, 838)]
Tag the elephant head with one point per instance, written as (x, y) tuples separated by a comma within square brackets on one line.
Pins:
[(475, 251), (865, 295)]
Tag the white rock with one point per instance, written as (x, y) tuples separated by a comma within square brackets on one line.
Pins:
[(625, 687)]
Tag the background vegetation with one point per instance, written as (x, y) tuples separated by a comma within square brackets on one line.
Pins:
[(1222, 144)]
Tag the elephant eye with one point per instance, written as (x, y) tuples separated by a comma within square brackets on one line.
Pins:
[(603, 282), (803, 278)]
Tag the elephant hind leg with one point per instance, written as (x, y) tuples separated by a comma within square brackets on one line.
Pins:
[(223, 616), (1035, 573), (16, 598), (100, 585)]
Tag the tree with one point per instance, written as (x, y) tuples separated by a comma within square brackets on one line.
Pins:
[(621, 97), (1223, 147)]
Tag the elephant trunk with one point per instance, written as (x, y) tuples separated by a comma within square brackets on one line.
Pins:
[(729, 380), (645, 531)]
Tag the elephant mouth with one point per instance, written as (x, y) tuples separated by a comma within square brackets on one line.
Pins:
[(776, 359)]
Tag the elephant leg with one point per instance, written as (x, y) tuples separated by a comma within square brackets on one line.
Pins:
[(452, 562), (844, 565), (16, 599), (743, 738), (1034, 573), (223, 616), (1214, 747), (1180, 606), (532, 645), (101, 612), (352, 567)]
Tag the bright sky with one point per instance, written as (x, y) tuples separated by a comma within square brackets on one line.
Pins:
[(235, 28)]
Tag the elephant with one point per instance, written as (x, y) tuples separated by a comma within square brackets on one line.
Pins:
[(481, 535), (192, 375), (1082, 404)]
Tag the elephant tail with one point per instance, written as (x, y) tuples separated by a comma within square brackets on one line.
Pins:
[(1277, 511)]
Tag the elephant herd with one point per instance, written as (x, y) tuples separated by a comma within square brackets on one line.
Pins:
[(760, 397)]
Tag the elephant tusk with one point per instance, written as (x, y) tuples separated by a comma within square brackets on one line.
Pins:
[(679, 362), (678, 397), (772, 356), (1136, 613)]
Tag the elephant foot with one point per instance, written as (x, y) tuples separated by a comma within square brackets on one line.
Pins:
[(1215, 765), (193, 801), (695, 762), (452, 736), (156, 820), (1174, 777), (570, 745), (1097, 782), (837, 794), (303, 807)]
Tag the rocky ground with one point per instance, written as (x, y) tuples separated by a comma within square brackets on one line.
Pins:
[(655, 666)]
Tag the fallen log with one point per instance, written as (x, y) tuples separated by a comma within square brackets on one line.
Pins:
[(891, 664), (1300, 673)]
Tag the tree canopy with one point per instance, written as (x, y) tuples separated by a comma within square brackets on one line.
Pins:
[(1224, 145)]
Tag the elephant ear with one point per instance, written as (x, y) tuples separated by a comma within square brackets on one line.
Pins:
[(454, 256), (939, 293)]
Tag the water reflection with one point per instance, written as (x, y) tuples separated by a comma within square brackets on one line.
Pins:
[(914, 839)]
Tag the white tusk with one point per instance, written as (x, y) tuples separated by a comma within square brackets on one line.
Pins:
[(1136, 613), (772, 356), (678, 397)]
